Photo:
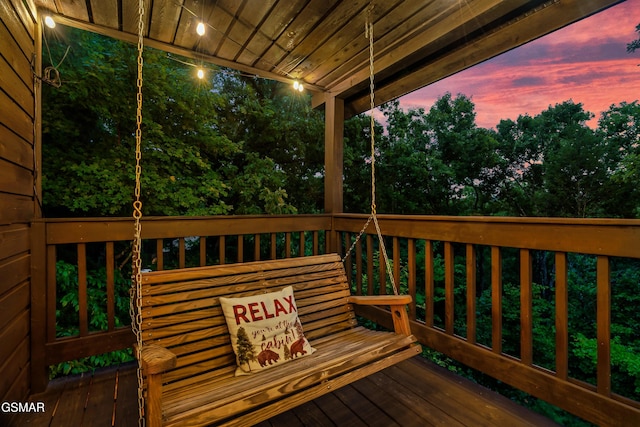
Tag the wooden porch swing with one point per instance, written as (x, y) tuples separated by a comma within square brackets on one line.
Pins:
[(187, 366)]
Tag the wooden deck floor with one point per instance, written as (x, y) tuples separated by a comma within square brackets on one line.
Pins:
[(412, 393)]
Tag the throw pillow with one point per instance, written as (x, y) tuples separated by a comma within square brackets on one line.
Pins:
[(265, 330)]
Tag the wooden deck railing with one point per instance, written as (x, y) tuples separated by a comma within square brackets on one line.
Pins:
[(437, 260), (467, 275), (70, 253)]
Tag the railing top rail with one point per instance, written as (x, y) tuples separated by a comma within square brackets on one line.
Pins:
[(594, 236), (160, 218), (597, 236), (86, 230), (497, 219)]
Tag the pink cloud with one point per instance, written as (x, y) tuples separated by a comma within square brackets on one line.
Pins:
[(586, 62)]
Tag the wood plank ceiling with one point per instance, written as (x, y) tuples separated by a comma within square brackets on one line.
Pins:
[(322, 42)]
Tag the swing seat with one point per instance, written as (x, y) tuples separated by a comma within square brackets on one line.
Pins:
[(187, 357)]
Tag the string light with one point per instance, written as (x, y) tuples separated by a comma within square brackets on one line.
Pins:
[(49, 22), (202, 70), (200, 29)]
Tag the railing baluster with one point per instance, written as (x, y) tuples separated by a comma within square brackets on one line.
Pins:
[(256, 247), (471, 293), (181, 253), (359, 267), (562, 317), (203, 251), (604, 325), (287, 244), (411, 265), (110, 265), (382, 272), (222, 249), (396, 261), (526, 307), (370, 285), (496, 299), (449, 278), (428, 282), (302, 244), (159, 254), (348, 261), (274, 248), (82, 290), (240, 257), (316, 242)]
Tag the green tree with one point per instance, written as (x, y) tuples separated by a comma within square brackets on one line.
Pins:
[(468, 153), (268, 119), (357, 163), (557, 165), (620, 127), (438, 162), (190, 166)]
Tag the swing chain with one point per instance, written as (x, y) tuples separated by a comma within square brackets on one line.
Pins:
[(135, 299), (368, 32)]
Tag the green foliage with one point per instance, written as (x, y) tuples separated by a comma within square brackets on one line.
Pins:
[(195, 160), (620, 127), (240, 145), (67, 304), (67, 314), (552, 164), (558, 166), (434, 163), (91, 363)]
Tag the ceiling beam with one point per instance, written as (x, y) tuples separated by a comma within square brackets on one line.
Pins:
[(452, 23), (445, 27)]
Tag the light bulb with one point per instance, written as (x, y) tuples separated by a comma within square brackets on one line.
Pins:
[(49, 22), (200, 29), (200, 73), (296, 85), (300, 87)]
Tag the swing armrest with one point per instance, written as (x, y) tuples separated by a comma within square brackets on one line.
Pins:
[(156, 359), (397, 304), (380, 299)]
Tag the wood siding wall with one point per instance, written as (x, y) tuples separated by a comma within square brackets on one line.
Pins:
[(18, 34)]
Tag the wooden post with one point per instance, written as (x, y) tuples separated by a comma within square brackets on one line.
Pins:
[(153, 415), (37, 124), (333, 161), (39, 374)]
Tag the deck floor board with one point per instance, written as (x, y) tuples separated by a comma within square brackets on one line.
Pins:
[(412, 393)]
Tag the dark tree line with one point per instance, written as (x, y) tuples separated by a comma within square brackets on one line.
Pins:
[(238, 144), (552, 164)]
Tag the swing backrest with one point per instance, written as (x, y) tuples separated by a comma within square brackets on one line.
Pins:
[(181, 309)]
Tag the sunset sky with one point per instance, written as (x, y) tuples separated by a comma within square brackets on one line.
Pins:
[(586, 62)]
